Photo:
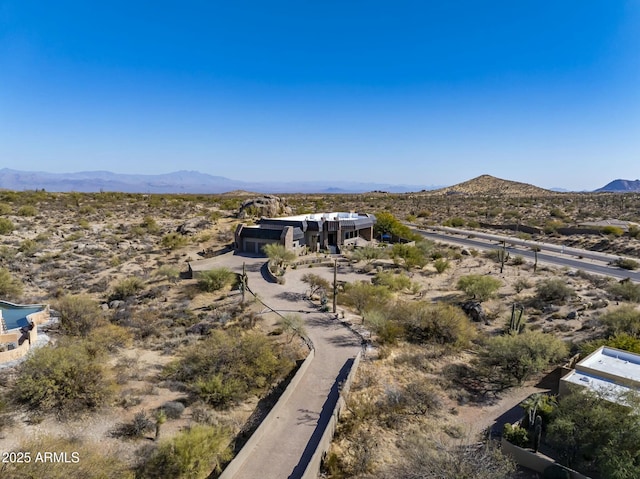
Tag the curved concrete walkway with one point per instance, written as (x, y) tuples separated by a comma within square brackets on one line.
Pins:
[(285, 449)]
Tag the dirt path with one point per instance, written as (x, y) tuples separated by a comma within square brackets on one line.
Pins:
[(286, 448)]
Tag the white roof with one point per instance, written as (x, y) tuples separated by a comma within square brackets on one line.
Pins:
[(609, 371), (333, 216), (622, 364), (610, 390)]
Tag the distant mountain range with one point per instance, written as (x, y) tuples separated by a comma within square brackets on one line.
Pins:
[(196, 182), (179, 182), (621, 186)]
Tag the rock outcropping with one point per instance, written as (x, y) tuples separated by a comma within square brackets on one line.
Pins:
[(267, 205)]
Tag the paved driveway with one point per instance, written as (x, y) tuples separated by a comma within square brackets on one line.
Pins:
[(285, 449)]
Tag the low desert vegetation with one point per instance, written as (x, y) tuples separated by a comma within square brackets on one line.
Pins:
[(179, 364), (67, 380), (226, 367), (479, 287), (215, 279)]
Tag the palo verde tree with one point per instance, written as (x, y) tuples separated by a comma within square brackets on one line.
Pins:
[(511, 359), (387, 224), (278, 255), (591, 432), (316, 283)]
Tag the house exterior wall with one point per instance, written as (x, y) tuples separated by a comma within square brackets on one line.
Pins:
[(320, 231)]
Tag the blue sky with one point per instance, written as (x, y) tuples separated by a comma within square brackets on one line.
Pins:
[(406, 92)]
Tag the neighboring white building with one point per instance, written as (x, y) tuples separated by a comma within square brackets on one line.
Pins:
[(610, 371)]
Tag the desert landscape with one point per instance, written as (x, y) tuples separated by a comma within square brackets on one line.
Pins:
[(143, 362)]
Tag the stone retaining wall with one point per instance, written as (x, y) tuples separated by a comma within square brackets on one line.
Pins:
[(313, 468), (234, 466), (534, 461)]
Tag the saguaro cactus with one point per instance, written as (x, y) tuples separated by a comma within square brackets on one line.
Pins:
[(516, 324), (537, 433)]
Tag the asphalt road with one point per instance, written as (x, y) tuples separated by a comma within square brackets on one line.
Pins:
[(551, 254)]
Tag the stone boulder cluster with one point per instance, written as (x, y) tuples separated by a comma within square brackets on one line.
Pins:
[(267, 205)]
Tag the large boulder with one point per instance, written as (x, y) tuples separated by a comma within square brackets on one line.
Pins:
[(267, 205), (193, 226), (474, 310)]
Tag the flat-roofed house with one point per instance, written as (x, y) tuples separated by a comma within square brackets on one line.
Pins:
[(608, 371), (326, 231)]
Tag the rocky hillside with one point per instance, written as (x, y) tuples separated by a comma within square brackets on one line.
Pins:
[(488, 185), (621, 186)]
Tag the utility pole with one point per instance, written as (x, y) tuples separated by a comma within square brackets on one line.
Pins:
[(335, 286), (243, 281)]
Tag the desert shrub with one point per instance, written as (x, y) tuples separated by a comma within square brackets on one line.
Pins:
[(409, 256), (6, 226), (423, 458), (517, 260), (552, 290), (226, 367), (625, 290), (433, 323), (622, 341), (626, 263), (173, 241), (66, 380), (394, 282), (10, 288), (127, 288), (79, 314), (551, 226), (421, 397), (109, 338), (625, 319), (386, 330), (479, 287), (136, 428), (516, 435), (364, 296), (27, 210), (173, 409), (215, 279), (441, 265), (192, 454), (368, 254), (28, 247), (169, 272), (456, 222), (511, 359), (521, 284), (588, 430), (5, 209), (150, 225), (86, 460), (612, 230)]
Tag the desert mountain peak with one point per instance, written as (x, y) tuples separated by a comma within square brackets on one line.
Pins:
[(491, 186)]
